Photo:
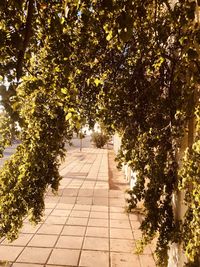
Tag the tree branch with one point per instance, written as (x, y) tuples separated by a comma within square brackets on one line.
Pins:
[(26, 39)]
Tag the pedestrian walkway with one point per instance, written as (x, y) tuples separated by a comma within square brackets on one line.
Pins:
[(84, 225)]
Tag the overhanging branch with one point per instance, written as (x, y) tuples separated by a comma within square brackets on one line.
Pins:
[(26, 39)]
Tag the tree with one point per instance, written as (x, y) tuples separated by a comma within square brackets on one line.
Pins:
[(128, 63)]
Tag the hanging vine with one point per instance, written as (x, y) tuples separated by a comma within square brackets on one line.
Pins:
[(132, 64), (149, 104), (189, 182)]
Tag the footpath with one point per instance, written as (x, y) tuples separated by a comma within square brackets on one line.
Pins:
[(84, 225)]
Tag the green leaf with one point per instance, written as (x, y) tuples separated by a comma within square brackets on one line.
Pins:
[(64, 91), (109, 36), (68, 116), (97, 81)]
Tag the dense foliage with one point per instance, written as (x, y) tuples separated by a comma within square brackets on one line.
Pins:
[(133, 64), (99, 139), (189, 182)]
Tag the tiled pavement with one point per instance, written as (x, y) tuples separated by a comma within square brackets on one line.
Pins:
[(84, 225)]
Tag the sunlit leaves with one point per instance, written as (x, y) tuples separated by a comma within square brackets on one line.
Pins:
[(132, 64), (190, 175)]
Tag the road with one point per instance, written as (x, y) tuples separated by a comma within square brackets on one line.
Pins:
[(76, 143)]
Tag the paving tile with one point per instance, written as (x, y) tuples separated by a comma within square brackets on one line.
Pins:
[(133, 217), (102, 201), (63, 206), (101, 193), (96, 243), (119, 215), (97, 231), (102, 185), (29, 229), (52, 200), (50, 229), (73, 185), (85, 193), (99, 214), (92, 175), (77, 173), (26, 265), (62, 212), (56, 220), (49, 205), (122, 245), (22, 240), (43, 241), (82, 207), (80, 213), (116, 193), (84, 200), (77, 221), (68, 200), (117, 209), (69, 192), (121, 233), (117, 202), (137, 234), (47, 211), (34, 255), (120, 224), (58, 193), (74, 242), (94, 258), (125, 260), (64, 257), (73, 230), (9, 253), (88, 184), (99, 208), (135, 225), (147, 261), (98, 222)]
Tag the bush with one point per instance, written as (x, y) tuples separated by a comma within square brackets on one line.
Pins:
[(99, 139)]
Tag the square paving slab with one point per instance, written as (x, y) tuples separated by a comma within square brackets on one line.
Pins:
[(84, 225)]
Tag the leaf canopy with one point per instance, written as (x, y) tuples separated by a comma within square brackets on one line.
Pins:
[(133, 65)]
